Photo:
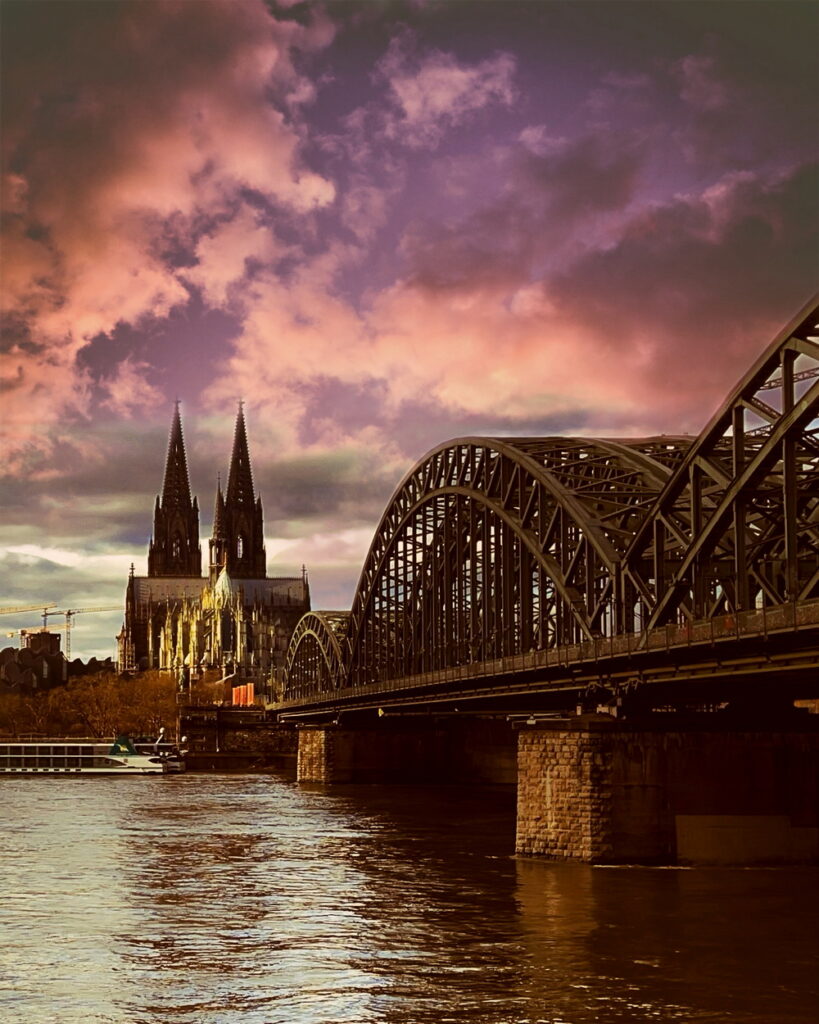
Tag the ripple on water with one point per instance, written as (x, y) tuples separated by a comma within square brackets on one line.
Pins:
[(211, 899)]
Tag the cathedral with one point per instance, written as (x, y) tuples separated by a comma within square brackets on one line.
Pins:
[(236, 621)]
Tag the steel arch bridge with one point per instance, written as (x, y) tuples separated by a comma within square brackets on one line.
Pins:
[(544, 553)]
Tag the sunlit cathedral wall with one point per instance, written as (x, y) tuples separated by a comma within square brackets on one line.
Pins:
[(235, 620)]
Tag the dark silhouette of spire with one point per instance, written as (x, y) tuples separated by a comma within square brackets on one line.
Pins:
[(219, 511), (218, 540), (176, 490), (238, 527), (174, 548), (240, 476)]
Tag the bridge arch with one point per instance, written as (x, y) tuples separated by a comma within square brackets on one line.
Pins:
[(315, 660), (497, 546)]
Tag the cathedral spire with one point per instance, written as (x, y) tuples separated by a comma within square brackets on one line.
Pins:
[(174, 548), (219, 509), (219, 534), (241, 543), (176, 489), (240, 476)]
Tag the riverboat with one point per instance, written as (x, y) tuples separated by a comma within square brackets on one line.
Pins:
[(83, 757)]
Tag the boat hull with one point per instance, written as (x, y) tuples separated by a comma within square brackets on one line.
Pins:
[(62, 757), (133, 770)]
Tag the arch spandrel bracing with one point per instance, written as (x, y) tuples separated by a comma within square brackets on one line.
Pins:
[(496, 547)]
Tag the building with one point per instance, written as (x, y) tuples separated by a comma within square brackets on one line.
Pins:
[(236, 619)]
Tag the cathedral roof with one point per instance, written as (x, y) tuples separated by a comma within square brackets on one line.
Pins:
[(176, 490), (224, 586), (165, 588)]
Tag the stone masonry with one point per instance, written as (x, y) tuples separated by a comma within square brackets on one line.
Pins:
[(315, 761), (564, 794), (599, 790)]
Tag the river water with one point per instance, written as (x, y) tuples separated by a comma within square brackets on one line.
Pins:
[(220, 899)]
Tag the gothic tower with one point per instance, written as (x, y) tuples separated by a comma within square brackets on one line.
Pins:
[(238, 528), (218, 540), (174, 548)]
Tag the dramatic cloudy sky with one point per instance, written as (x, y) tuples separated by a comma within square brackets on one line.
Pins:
[(382, 225)]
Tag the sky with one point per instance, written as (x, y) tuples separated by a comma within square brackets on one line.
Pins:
[(380, 225)]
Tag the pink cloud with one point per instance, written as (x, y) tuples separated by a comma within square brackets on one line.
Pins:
[(128, 390), (127, 134), (433, 92), (223, 256), (701, 85), (642, 333)]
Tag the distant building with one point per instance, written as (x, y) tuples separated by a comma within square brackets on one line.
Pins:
[(236, 619), (40, 665), (41, 641)]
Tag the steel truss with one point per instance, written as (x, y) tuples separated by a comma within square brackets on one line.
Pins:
[(737, 526), (492, 547)]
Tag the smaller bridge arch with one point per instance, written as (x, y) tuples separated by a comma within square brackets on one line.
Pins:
[(316, 661)]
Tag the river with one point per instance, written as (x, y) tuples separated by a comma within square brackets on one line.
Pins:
[(220, 899)]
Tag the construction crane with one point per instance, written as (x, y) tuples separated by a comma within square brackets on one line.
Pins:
[(22, 633), (69, 614), (30, 608), (25, 631)]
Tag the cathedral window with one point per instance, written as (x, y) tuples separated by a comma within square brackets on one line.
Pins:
[(240, 544)]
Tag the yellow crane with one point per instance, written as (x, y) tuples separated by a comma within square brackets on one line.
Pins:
[(69, 614), (30, 608), (32, 632)]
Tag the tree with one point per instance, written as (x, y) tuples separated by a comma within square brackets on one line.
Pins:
[(13, 714), (99, 705)]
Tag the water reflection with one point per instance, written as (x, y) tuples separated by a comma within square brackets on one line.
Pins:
[(673, 945), (219, 899)]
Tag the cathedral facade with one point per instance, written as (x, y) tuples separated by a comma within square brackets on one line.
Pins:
[(235, 620)]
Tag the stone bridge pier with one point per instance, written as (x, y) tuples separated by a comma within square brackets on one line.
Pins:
[(670, 789), (600, 790)]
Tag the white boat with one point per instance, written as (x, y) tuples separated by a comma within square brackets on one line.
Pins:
[(172, 757), (82, 757)]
